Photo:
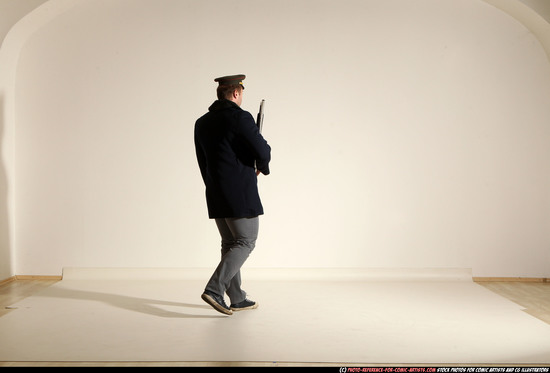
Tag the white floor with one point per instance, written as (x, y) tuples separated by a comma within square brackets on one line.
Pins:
[(304, 316)]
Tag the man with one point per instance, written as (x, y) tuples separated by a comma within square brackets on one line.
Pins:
[(231, 153)]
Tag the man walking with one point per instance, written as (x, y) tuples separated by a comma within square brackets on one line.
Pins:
[(231, 153)]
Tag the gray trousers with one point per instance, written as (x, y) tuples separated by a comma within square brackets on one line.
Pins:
[(238, 240)]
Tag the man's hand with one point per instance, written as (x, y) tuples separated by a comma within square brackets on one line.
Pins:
[(258, 172)]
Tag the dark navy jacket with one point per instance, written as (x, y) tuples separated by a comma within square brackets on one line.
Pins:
[(228, 146)]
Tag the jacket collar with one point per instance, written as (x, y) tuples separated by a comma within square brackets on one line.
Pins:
[(222, 104)]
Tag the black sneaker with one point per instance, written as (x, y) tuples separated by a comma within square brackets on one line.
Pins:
[(216, 302), (244, 305)]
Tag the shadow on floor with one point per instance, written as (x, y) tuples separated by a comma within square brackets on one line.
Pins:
[(136, 304)]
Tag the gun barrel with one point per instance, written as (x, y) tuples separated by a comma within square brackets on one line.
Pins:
[(260, 118)]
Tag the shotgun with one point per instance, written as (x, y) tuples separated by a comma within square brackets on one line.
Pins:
[(260, 118)]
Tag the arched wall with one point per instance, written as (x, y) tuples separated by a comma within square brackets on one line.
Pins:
[(18, 23), (404, 135)]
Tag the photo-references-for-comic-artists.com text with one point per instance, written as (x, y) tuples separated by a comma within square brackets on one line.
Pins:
[(445, 370)]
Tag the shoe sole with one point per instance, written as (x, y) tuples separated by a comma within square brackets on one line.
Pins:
[(245, 308), (212, 302)]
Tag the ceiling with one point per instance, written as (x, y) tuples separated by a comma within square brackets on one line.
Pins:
[(13, 10), (542, 7)]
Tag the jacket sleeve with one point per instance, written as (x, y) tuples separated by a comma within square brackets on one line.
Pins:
[(201, 157), (255, 141)]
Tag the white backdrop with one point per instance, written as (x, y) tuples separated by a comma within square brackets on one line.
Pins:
[(405, 134)]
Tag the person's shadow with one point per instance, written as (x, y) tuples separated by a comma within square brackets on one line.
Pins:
[(143, 305)]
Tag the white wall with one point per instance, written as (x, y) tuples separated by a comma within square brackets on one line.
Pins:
[(11, 11), (6, 257), (404, 134)]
